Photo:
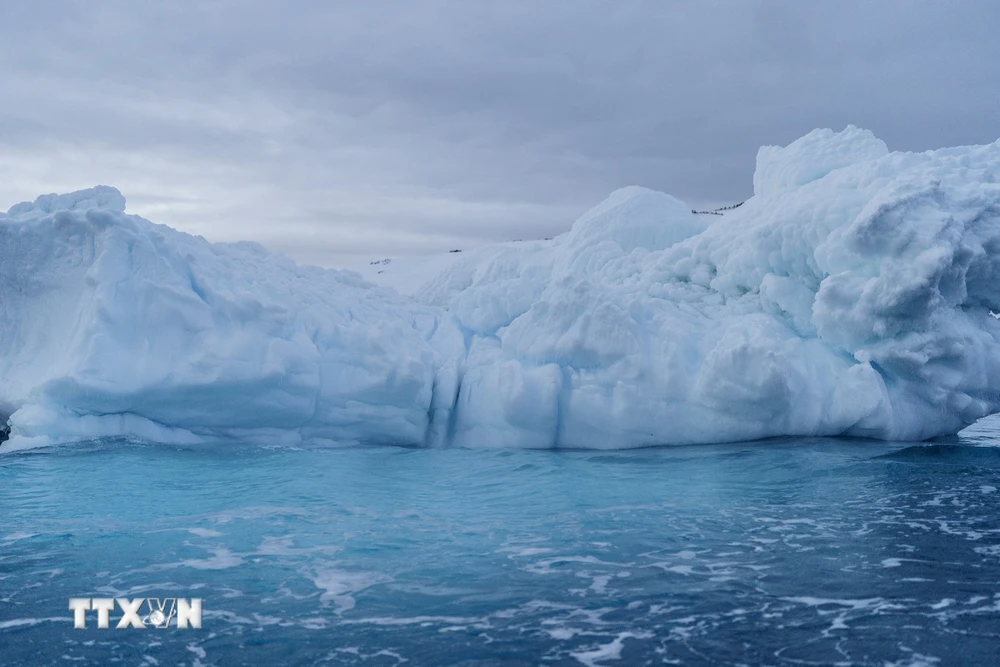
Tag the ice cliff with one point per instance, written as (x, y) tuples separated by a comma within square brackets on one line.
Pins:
[(852, 294)]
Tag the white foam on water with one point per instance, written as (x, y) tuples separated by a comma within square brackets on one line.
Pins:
[(339, 585), (609, 651), (23, 622)]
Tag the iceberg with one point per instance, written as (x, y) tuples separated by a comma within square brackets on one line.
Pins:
[(854, 294)]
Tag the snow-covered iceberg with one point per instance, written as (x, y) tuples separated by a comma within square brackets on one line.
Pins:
[(852, 294)]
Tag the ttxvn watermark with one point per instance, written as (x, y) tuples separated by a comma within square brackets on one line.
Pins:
[(159, 612)]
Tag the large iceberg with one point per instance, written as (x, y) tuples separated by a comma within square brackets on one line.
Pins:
[(853, 294)]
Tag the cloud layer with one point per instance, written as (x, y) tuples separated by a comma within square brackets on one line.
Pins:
[(341, 132)]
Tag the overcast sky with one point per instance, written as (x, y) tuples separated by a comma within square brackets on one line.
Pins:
[(339, 132)]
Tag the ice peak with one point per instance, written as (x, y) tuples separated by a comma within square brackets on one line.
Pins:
[(101, 196), (812, 157), (637, 217)]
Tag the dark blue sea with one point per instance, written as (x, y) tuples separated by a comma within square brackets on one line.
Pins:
[(784, 552)]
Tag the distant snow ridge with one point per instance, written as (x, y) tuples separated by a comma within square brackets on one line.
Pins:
[(851, 295)]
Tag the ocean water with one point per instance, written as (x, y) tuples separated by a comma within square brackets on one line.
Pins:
[(785, 552)]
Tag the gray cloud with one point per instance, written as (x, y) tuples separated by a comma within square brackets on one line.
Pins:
[(337, 132)]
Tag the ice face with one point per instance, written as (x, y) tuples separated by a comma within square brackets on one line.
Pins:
[(851, 295)]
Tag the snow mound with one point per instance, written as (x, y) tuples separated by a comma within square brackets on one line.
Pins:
[(853, 294), (813, 157)]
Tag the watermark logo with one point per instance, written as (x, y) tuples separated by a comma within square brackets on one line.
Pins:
[(138, 613), (165, 610)]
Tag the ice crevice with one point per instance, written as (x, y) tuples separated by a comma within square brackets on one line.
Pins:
[(856, 293)]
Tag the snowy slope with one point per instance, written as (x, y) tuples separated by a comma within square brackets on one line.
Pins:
[(851, 295), (407, 275)]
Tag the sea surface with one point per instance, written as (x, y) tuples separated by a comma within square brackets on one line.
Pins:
[(783, 552)]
